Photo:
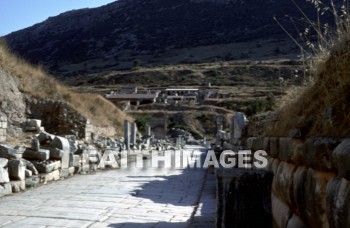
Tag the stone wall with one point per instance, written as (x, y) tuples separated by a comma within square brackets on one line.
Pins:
[(311, 185), (62, 119), (57, 117), (3, 128)]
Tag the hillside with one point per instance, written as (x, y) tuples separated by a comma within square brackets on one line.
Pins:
[(322, 109), (129, 33), (29, 92)]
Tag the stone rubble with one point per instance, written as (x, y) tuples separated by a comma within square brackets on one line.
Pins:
[(53, 157)]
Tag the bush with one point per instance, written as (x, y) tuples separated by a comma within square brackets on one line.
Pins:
[(142, 121)]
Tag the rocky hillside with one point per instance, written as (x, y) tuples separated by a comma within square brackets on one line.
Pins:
[(12, 102), (129, 33), (28, 92)]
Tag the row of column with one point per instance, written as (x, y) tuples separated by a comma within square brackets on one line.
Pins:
[(131, 137)]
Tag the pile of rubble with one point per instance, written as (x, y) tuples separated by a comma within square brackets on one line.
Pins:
[(51, 157)]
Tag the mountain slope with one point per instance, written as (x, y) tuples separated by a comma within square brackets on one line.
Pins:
[(127, 33), (22, 84)]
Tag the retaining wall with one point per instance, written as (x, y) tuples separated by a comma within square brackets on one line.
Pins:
[(311, 184)]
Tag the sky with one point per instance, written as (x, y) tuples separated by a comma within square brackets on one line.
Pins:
[(19, 14)]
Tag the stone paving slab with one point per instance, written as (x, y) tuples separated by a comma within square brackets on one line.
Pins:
[(117, 198)]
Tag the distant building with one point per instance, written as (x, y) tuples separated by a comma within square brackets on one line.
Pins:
[(133, 95), (169, 95), (181, 95)]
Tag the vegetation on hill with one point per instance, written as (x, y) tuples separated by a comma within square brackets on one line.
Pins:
[(37, 83), (323, 108), (129, 34)]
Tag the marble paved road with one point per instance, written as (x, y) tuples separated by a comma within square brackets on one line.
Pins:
[(130, 197)]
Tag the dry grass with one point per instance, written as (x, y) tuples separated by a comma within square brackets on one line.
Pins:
[(323, 109), (37, 83)]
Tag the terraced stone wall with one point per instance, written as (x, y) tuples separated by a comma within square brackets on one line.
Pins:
[(311, 184)]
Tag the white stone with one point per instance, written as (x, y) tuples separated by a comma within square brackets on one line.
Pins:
[(4, 176), (239, 124)]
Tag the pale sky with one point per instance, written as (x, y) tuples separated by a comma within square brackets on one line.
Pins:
[(19, 14)]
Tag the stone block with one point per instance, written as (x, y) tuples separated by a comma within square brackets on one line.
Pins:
[(314, 210), (47, 177), (5, 189), (35, 145), (285, 149), (7, 152), (280, 211), (41, 155), (28, 173), (298, 152), (73, 146), (319, 153), (30, 167), (273, 147), (266, 144), (94, 159), (299, 180), (296, 222), (56, 154), (18, 186), (32, 181), (341, 157), (76, 161), (4, 176), (46, 166), (338, 198), (16, 170), (85, 168), (3, 162), (62, 144), (33, 125), (19, 150), (67, 172), (282, 185), (45, 138)]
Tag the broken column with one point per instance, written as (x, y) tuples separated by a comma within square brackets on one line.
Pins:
[(219, 127), (148, 131), (127, 134), (133, 133), (63, 145), (3, 128), (89, 128), (239, 124)]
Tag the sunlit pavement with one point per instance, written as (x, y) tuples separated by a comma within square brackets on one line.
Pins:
[(131, 197)]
